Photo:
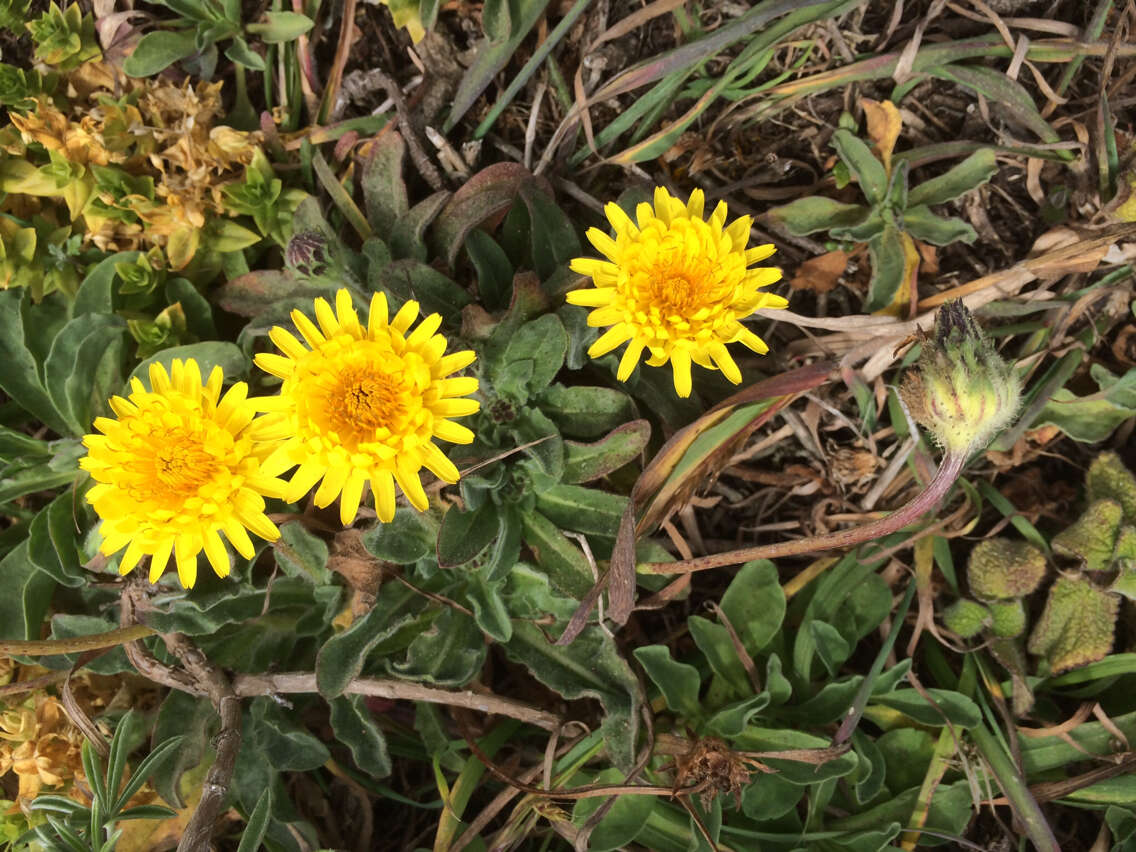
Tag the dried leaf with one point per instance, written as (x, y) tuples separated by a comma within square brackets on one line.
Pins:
[(884, 125), (822, 273)]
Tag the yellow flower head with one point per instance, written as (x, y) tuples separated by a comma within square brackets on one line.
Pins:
[(363, 404), (179, 466), (676, 285)]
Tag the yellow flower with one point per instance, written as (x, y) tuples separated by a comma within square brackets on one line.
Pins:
[(676, 285), (364, 404), (179, 466)]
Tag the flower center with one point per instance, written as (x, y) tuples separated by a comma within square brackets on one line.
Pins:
[(362, 392), (364, 401)]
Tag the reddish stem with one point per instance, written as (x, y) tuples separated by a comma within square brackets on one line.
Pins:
[(949, 470)]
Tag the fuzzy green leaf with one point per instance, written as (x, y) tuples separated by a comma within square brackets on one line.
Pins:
[(678, 682), (817, 213), (355, 727), (755, 604), (1076, 626), (971, 173), (924, 225), (868, 171)]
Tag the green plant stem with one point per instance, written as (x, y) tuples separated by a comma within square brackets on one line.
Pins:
[(1014, 787), (949, 470)]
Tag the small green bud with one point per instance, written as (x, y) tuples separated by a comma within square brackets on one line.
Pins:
[(1077, 625), (1092, 537), (1109, 479), (961, 391), (965, 617), (1008, 618), (1002, 568)]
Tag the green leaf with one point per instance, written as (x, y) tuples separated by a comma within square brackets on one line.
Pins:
[(240, 52), (924, 225), (554, 239), (958, 709), (463, 535), (817, 213), (403, 541), (585, 462), (755, 604), (585, 510), (20, 377), (544, 343), (970, 174), (713, 640), (52, 545), (868, 171), (906, 753), (30, 591), (158, 50), (158, 756), (228, 356), (732, 719), (494, 271), (678, 682), (84, 367), (341, 658), (489, 609), (435, 292), (888, 265), (622, 823), (831, 647), (585, 412), (384, 191), (355, 727), (1077, 625), (996, 86), (1091, 418), (71, 625), (496, 20), (407, 238), (769, 796), (278, 733), (450, 652), (257, 824), (590, 667), (280, 27), (192, 718), (96, 292), (560, 559), (301, 553), (795, 772)]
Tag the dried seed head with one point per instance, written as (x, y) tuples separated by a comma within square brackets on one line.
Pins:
[(1001, 568), (962, 391)]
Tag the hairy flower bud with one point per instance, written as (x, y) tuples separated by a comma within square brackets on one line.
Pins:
[(961, 391), (1000, 569), (967, 618), (307, 253)]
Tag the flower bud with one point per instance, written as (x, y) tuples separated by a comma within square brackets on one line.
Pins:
[(1000, 568), (967, 618), (1008, 618), (307, 253), (961, 391)]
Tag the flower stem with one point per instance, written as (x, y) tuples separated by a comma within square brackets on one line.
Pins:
[(949, 469)]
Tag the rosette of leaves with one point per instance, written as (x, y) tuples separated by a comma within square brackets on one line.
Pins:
[(262, 196), (200, 26), (1076, 626), (895, 214), (64, 39), (19, 87)]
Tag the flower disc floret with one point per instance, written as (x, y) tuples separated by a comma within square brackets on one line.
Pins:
[(175, 468), (676, 285), (363, 405)]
